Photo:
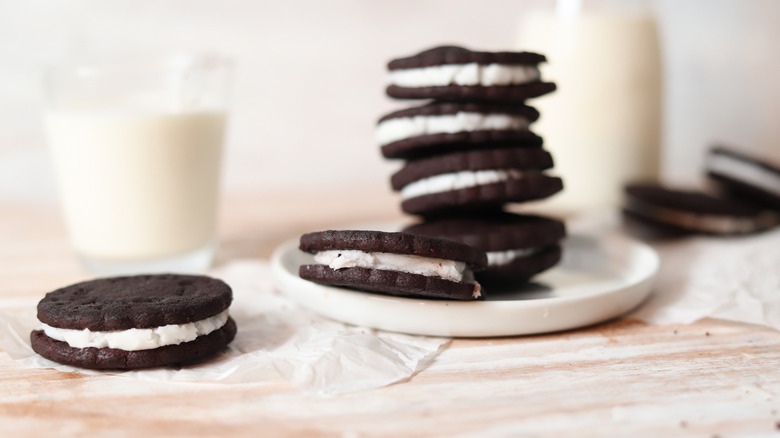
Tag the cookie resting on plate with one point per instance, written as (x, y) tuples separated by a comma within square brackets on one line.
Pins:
[(517, 246), (396, 264)]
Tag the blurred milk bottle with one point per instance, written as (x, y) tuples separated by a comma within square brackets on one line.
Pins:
[(602, 125)]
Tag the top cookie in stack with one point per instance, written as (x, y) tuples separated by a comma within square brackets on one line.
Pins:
[(470, 151), (458, 74)]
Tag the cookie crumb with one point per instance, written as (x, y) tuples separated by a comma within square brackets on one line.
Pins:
[(675, 332), (706, 333)]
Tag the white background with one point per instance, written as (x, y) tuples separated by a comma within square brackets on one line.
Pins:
[(310, 77)]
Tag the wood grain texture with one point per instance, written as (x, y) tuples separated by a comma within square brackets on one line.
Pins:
[(622, 378)]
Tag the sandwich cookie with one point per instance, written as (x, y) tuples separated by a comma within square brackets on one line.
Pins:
[(746, 177), (438, 126), (397, 264), (477, 179), (458, 74), (517, 246), (134, 322), (695, 212)]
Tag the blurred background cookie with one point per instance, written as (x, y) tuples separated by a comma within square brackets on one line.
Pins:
[(745, 177), (696, 212)]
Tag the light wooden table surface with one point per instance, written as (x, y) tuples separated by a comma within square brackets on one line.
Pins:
[(622, 378)]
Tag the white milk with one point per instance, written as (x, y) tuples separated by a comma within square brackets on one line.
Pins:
[(137, 185), (602, 125)]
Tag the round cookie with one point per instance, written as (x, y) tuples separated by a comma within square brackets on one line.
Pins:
[(695, 212), (458, 74), (744, 177), (449, 126), (134, 322), (396, 264), (475, 179), (517, 246)]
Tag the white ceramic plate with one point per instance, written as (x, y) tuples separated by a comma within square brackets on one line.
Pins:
[(598, 279)]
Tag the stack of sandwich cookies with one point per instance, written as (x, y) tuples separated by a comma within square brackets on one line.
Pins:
[(396, 264), (517, 246), (135, 322), (471, 151)]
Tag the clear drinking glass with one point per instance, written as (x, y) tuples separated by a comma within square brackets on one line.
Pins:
[(137, 147)]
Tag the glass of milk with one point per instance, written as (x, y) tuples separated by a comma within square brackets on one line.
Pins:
[(137, 147), (602, 125)]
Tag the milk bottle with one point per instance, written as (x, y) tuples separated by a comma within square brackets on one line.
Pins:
[(602, 125)]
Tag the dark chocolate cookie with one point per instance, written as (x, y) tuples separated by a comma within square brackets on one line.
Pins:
[(694, 211), (397, 264), (746, 178), (122, 316), (477, 179), (455, 73), (448, 126), (518, 246)]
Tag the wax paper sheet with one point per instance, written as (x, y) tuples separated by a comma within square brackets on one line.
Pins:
[(276, 339)]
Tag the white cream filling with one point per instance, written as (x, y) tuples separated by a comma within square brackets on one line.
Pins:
[(401, 128), (460, 180), (464, 74), (745, 172), (137, 339), (499, 258), (447, 269)]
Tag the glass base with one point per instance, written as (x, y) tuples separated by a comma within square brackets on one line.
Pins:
[(193, 262)]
